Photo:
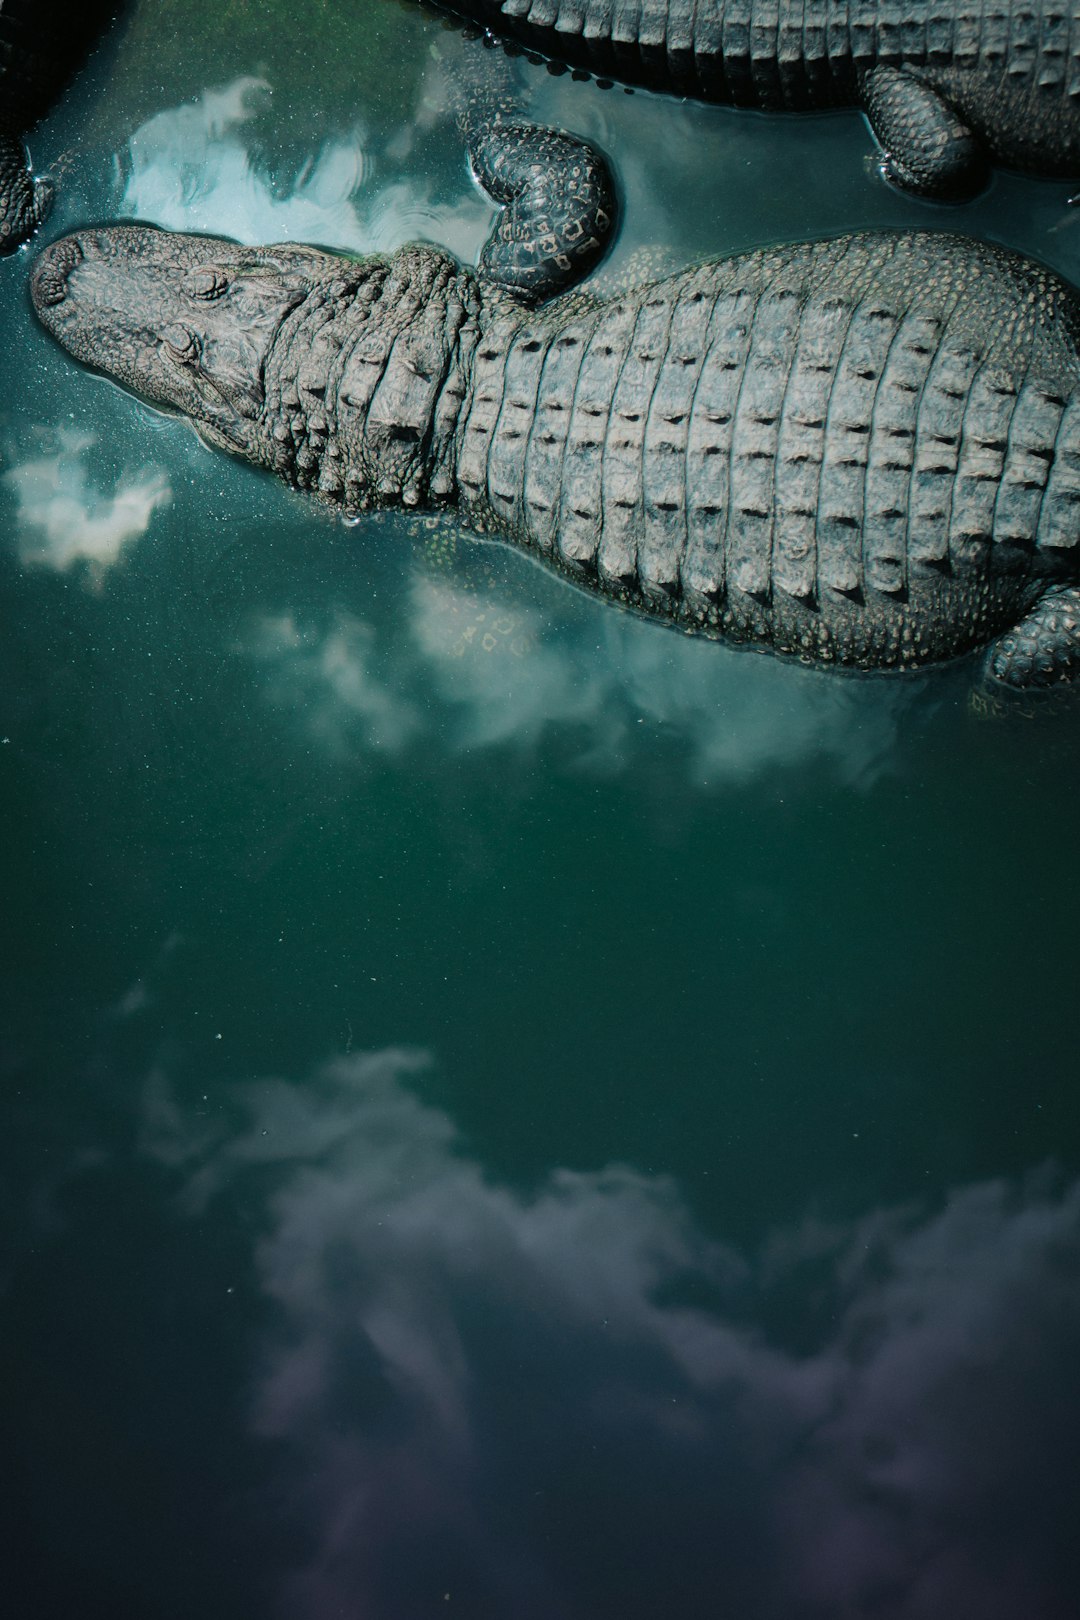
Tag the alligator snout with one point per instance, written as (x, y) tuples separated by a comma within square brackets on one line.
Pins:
[(48, 281)]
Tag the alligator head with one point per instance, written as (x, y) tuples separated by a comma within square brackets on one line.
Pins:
[(187, 322), (343, 375)]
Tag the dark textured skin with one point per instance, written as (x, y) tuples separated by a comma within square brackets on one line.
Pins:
[(558, 208), (42, 44), (860, 452), (556, 194), (947, 84)]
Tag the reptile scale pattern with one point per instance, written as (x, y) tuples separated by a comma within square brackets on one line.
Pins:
[(794, 53), (863, 451), (778, 445)]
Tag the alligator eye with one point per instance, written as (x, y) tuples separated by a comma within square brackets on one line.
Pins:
[(180, 345), (209, 282)]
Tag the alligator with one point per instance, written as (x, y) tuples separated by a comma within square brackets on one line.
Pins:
[(859, 452), (42, 44), (948, 86)]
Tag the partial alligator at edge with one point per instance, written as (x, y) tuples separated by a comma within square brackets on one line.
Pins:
[(42, 45), (860, 452), (947, 85)]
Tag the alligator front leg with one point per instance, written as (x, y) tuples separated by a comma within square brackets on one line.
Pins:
[(24, 201), (555, 190), (558, 208), (927, 148), (1044, 648)]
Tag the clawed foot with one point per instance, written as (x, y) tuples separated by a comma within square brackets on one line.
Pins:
[(558, 208), (25, 203)]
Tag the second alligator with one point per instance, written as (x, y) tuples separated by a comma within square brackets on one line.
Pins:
[(948, 85)]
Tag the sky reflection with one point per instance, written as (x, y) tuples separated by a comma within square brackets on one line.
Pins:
[(189, 168), (326, 675), (310, 1338), (64, 518), (735, 712), (514, 664), (858, 1419)]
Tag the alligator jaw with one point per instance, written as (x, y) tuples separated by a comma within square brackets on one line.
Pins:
[(188, 322)]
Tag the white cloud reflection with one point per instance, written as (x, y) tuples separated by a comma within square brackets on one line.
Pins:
[(189, 168), (454, 1366), (64, 519), (517, 665), (605, 682), (734, 713), (326, 677)]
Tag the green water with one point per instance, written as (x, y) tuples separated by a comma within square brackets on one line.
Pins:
[(508, 1111)]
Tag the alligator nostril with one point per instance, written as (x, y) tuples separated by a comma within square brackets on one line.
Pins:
[(49, 282)]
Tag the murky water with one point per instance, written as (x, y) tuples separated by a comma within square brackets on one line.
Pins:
[(508, 1111)]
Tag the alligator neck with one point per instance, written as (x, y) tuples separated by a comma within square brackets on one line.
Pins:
[(366, 379)]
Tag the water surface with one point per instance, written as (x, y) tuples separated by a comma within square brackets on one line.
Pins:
[(509, 1110)]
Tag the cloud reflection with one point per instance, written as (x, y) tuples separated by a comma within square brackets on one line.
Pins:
[(606, 682), (189, 168), (734, 713), (326, 677), (520, 663), (483, 1387), (63, 519)]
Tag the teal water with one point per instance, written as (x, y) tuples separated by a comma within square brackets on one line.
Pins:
[(508, 1111)]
